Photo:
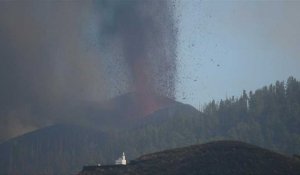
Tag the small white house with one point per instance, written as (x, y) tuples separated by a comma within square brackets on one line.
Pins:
[(121, 160)]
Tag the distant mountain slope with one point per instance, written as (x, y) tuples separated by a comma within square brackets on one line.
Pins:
[(96, 138), (124, 111), (121, 111), (56, 149), (219, 158), (133, 105)]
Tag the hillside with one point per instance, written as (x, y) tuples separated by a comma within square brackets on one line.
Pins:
[(64, 148), (269, 117), (121, 111), (220, 158), (56, 149)]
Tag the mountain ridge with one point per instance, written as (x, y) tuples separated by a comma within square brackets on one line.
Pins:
[(219, 157)]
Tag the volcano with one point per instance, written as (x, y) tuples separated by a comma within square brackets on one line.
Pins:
[(136, 105), (94, 132)]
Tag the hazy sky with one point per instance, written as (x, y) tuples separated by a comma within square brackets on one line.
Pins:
[(227, 46)]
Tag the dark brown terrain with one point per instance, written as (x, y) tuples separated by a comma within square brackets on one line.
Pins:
[(220, 157)]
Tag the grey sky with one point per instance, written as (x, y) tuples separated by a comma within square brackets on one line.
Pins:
[(227, 46)]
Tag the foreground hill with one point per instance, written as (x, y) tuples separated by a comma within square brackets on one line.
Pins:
[(221, 157)]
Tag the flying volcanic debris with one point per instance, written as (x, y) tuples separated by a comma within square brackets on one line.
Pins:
[(146, 33)]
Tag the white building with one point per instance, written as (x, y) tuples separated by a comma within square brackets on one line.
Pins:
[(121, 160)]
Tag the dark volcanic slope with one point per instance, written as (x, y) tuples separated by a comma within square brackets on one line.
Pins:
[(98, 135), (56, 149), (131, 105), (222, 157)]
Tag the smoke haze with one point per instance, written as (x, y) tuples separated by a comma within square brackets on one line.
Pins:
[(65, 53)]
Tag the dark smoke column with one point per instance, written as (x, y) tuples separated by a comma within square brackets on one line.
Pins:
[(146, 33)]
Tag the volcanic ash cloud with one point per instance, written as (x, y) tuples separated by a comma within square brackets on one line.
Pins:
[(57, 54)]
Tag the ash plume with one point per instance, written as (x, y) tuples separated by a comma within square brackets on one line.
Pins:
[(146, 34), (62, 53)]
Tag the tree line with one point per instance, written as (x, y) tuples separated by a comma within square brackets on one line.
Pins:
[(269, 117)]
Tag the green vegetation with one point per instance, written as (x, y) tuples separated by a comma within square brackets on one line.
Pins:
[(269, 117)]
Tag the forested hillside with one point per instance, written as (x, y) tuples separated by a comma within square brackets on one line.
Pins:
[(269, 117)]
